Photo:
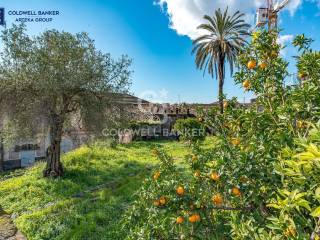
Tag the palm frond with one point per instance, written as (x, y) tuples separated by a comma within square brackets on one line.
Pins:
[(226, 35)]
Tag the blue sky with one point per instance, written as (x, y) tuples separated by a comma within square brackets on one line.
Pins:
[(161, 45)]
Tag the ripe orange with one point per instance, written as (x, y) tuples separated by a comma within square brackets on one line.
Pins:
[(217, 199), (162, 200), (236, 191), (225, 104), (179, 220), (235, 141), (194, 218), (194, 158), (156, 203), (197, 173), (215, 176), (263, 65), (246, 84), (180, 191), (156, 175), (252, 64)]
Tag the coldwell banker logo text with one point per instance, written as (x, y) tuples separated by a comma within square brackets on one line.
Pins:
[(2, 21), (33, 16)]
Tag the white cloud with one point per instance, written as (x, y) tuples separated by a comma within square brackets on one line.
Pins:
[(186, 15), (293, 6), (282, 40)]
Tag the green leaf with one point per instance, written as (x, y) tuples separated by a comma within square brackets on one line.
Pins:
[(304, 203), (316, 212), (317, 193)]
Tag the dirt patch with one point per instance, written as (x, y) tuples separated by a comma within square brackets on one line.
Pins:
[(8, 231)]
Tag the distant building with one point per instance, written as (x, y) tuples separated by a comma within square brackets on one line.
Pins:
[(26, 152)]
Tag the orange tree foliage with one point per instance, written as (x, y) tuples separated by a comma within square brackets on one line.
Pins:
[(241, 187)]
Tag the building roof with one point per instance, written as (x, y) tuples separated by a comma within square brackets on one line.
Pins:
[(124, 98)]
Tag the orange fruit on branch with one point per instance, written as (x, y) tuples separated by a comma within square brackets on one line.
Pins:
[(246, 84), (156, 203), (263, 65), (236, 191), (235, 141), (217, 199), (180, 190), (252, 64), (162, 200), (215, 176), (194, 218), (198, 218), (179, 220), (156, 175)]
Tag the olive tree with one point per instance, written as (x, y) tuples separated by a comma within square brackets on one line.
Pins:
[(49, 79)]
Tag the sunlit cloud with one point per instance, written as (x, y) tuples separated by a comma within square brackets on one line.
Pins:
[(186, 15)]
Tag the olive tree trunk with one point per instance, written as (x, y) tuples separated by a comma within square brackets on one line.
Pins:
[(54, 166)]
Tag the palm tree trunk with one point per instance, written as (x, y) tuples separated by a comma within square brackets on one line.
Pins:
[(221, 81)]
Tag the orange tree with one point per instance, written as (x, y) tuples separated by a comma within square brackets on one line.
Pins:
[(232, 190)]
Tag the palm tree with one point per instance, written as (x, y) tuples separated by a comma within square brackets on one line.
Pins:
[(222, 43)]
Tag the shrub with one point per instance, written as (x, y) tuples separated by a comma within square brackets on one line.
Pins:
[(190, 129), (297, 203)]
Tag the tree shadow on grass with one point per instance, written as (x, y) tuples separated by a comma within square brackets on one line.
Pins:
[(32, 192)]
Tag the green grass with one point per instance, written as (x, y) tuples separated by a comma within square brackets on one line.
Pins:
[(89, 200)]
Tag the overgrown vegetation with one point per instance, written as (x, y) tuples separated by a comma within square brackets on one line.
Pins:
[(190, 129), (88, 202), (249, 185)]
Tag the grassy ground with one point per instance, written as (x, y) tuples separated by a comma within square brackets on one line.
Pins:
[(88, 202)]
